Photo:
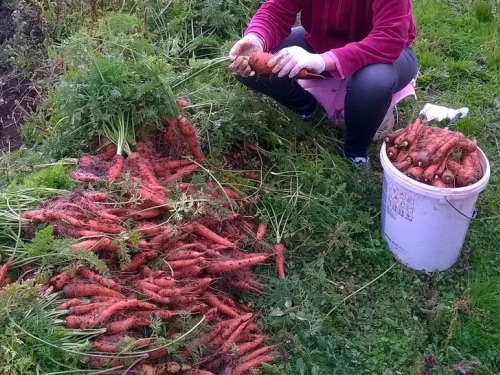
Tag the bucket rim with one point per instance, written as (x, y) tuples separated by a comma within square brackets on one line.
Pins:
[(420, 187)]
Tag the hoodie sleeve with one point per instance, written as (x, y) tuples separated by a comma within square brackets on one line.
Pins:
[(273, 21), (384, 44)]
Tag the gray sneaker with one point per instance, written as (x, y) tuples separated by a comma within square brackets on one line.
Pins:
[(387, 125), (363, 163)]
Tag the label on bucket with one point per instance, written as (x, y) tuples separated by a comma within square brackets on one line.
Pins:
[(398, 202)]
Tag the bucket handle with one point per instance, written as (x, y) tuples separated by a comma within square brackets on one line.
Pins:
[(474, 213)]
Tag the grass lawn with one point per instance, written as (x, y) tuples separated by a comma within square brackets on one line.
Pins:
[(346, 306)]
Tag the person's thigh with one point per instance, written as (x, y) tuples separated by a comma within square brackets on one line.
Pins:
[(296, 38)]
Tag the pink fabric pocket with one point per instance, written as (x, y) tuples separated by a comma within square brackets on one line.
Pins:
[(330, 93)]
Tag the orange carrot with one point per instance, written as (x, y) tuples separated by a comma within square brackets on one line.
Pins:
[(150, 197), (88, 290), (123, 305), (392, 152), (194, 371), (124, 325), (256, 353), (258, 62), (60, 280), (184, 254), (108, 153), (206, 233), (252, 175), (156, 297), (100, 226), (97, 244), (279, 250), (70, 303), (235, 265), (213, 301), (180, 173), (182, 103), (174, 164), (144, 284), (105, 345), (84, 176), (90, 275), (254, 363), (89, 307), (96, 196), (261, 231), (116, 167), (189, 133), (448, 177), (3, 272), (177, 264), (439, 183), (140, 259), (245, 285), (250, 345)]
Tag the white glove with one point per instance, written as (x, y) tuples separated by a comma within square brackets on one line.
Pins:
[(289, 61), (439, 113), (243, 48)]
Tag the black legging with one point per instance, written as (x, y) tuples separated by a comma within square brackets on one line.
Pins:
[(368, 97)]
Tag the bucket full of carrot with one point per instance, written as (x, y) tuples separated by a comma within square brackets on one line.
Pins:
[(432, 178)]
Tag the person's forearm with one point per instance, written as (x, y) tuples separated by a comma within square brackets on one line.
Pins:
[(273, 21)]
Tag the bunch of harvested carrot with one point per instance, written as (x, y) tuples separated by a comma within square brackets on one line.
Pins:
[(200, 265), (434, 156)]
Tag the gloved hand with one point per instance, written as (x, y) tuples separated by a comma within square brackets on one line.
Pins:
[(289, 61), (240, 52)]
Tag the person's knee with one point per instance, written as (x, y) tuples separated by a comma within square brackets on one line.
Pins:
[(372, 80)]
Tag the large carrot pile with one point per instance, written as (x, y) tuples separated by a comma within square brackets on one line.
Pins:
[(191, 267), (434, 156)]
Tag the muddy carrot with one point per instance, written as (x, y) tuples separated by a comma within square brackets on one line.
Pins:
[(234, 265), (180, 173), (83, 176), (89, 290), (279, 250), (213, 301), (116, 167), (254, 363), (250, 345), (206, 233), (124, 325), (95, 277), (60, 280), (97, 244), (3, 272), (261, 231)]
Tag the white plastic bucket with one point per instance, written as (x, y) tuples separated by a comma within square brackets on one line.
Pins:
[(425, 226)]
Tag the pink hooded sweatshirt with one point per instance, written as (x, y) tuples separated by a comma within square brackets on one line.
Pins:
[(353, 33)]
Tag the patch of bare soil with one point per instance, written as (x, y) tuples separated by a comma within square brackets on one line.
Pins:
[(18, 95)]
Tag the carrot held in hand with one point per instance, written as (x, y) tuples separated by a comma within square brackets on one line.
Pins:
[(258, 62)]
